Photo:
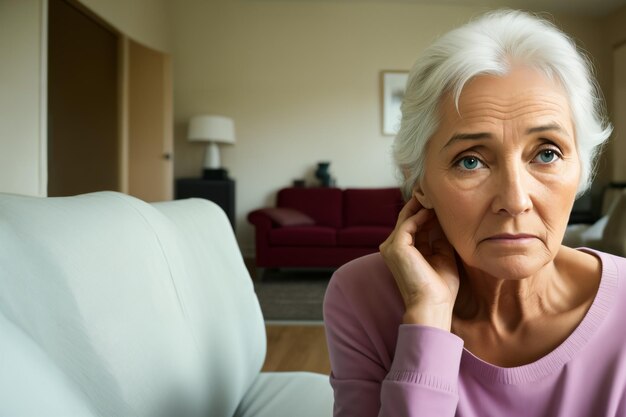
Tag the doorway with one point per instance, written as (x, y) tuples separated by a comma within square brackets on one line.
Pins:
[(83, 103), (110, 112)]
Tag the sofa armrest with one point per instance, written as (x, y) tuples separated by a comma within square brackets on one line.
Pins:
[(273, 217), (262, 225), (260, 219)]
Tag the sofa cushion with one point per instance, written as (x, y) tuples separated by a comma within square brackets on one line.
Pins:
[(303, 236), (285, 216), (324, 205), (371, 207), (362, 236)]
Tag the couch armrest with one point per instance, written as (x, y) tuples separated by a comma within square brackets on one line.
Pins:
[(262, 224), (273, 217), (260, 219)]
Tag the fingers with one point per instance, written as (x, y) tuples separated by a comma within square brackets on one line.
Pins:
[(410, 208), (429, 237), (412, 222), (415, 223), (415, 227), (413, 253), (415, 212), (422, 239)]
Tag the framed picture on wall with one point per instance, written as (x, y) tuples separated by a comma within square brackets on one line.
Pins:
[(392, 84)]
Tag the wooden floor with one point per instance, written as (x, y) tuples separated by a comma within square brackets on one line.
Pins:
[(296, 348)]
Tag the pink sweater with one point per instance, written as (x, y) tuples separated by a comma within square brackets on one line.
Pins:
[(381, 367)]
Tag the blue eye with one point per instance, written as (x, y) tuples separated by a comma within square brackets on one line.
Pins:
[(469, 163), (547, 156)]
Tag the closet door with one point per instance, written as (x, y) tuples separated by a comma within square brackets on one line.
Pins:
[(83, 103), (150, 131)]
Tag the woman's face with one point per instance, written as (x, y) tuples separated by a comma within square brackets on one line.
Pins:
[(502, 172)]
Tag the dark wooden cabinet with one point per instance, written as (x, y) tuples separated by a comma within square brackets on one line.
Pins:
[(221, 192)]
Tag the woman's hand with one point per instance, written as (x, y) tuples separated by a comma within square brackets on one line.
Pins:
[(424, 268)]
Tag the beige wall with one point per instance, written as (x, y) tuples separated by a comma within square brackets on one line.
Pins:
[(616, 27), (301, 81), (591, 36), (146, 21), (22, 97)]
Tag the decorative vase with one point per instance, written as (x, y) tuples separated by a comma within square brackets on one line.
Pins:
[(322, 173)]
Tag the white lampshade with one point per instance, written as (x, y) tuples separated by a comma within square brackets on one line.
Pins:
[(211, 128)]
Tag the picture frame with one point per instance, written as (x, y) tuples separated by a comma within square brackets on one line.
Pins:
[(393, 84)]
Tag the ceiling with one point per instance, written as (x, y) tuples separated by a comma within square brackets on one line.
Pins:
[(597, 8), (578, 7)]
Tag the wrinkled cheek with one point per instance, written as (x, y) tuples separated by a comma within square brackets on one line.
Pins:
[(458, 222), (554, 207), (458, 204), (555, 228)]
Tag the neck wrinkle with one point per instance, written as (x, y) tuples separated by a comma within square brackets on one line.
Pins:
[(506, 305)]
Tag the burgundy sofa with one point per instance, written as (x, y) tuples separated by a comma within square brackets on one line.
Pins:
[(323, 227)]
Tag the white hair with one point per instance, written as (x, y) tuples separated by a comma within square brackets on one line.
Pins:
[(491, 44)]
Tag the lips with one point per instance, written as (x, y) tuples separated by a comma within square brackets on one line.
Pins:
[(509, 236), (511, 239)]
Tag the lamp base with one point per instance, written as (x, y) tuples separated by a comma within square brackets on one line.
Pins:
[(214, 174)]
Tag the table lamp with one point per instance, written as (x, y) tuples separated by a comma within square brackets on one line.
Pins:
[(212, 129)]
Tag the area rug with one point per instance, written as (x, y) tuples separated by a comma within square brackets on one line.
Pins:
[(292, 295)]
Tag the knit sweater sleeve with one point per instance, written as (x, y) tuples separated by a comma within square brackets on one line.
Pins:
[(423, 378), (420, 381)]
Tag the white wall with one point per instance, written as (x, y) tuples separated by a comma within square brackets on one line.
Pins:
[(301, 81), (23, 166)]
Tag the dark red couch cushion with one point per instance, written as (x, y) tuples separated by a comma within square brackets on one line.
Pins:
[(362, 236), (372, 207), (303, 236), (324, 205)]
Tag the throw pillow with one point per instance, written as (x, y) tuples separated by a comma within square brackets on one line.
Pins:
[(288, 216)]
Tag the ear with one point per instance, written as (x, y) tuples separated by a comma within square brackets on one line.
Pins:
[(422, 197)]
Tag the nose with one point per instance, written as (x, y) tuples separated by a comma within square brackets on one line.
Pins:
[(512, 194)]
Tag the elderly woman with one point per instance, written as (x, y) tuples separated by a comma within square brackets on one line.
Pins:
[(473, 308)]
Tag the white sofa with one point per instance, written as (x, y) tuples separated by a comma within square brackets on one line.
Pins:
[(110, 306)]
